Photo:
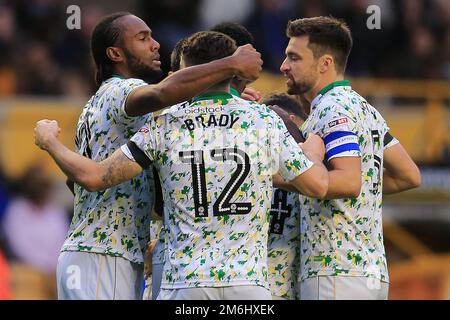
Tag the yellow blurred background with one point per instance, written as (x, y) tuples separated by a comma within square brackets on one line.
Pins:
[(403, 69)]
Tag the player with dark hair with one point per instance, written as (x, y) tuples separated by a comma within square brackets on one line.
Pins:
[(102, 257), (289, 104), (235, 31), (241, 36), (175, 56), (284, 232), (342, 253), (154, 256), (215, 158)]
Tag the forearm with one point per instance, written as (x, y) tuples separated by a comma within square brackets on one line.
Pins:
[(280, 183), (300, 185), (314, 182), (179, 87), (91, 175), (400, 172), (393, 184), (342, 185), (390, 185), (76, 167)]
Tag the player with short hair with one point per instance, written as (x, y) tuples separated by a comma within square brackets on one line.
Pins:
[(102, 256), (215, 158), (241, 36), (285, 214), (290, 104), (155, 250), (342, 254)]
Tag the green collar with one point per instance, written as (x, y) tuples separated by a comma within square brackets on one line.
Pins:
[(213, 96), (234, 92), (117, 76), (341, 83)]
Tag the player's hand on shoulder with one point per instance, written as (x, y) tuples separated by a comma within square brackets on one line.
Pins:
[(251, 94), (247, 62), (314, 145), (45, 131)]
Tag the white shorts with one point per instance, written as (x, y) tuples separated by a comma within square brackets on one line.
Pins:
[(147, 294), (222, 293), (153, 283), (343, 288), (156, 279), (93, 276)]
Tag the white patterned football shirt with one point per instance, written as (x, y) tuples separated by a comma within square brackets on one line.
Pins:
[(215, 158), (344, 237), (114, 221), (284, 244)]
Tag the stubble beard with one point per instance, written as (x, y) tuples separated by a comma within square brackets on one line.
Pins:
[(140, 70)]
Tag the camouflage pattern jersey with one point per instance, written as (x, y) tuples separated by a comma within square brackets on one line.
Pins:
[(284, 244), (115, 221), (344, 237), (215, 158)]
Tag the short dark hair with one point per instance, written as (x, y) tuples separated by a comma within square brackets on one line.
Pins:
[(106, 33), (286, 102), (326, 35), (206, 46), (175, 56), (235, 31)]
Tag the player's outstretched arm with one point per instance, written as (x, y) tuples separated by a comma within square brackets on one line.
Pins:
[(400, 171), (91, 175), (313, 182), (187, 83)]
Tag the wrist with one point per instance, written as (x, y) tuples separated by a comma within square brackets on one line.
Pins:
[(314, 157), (49, 143), (231, 65)]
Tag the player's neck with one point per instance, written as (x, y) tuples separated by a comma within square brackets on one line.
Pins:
[(218, 88), (122, 72), (322, 83)]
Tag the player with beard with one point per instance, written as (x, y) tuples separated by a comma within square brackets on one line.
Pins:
[(216, 188), (102, 257), (343, 253)]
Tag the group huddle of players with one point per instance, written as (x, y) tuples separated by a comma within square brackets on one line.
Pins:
[(251, 198)]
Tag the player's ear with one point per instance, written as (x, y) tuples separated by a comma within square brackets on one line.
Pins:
[(325, 62), (115, 54), (292, 118)]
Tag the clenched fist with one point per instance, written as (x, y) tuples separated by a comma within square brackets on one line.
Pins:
[(45, 132), (247, 62)]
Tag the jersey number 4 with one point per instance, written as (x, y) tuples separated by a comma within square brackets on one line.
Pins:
[(279, 211), (223, 204), (376, 176)]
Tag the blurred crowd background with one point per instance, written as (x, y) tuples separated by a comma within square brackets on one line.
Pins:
[(46, 72), (42, 57)]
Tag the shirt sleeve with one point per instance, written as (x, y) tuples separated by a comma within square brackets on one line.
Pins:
[(389, 141), (289, 159), (339, 132), (142, 147), (119, 95)]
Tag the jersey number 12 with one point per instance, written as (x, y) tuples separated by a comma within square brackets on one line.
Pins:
[(223, 204)]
